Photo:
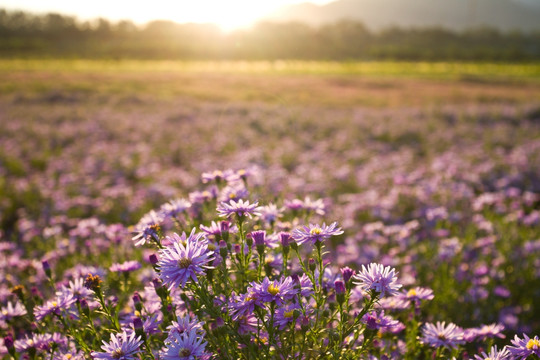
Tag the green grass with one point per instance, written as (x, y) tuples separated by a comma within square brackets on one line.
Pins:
[(436, 70)]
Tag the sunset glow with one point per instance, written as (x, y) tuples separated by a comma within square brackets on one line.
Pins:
[(228, 15)]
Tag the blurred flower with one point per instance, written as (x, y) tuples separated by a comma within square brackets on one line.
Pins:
[(241, 209), (441, 334), (494, 354), (315, 233), (125, 266)]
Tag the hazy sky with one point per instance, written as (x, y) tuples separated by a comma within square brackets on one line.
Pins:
[(226, 13)]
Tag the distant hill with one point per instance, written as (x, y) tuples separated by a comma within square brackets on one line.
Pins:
[(506, 15)]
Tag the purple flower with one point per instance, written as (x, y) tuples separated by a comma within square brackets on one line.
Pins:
[(483, 332), (270, 213), (125, 266), (277, 290), (184, 260), (241, 209), (77, 289), (174, 208), (379, 278), (441, 334), (315, 233), (416, 294), (186, 324), (285, 315), (524, 347), (184, 346), (62, 303), (147, 228), (494, 354), (215, 229), (121, 347), (377, 320), (10, 311)]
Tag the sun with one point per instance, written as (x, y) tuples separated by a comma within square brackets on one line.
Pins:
[(228, 15)]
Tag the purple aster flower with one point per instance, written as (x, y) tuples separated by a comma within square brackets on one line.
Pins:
[(233, 192), (69, 355), (184, 260), (77, 289), (285, 315), (185, 346), (377, 320), (485, 331), (277, 290), (270, 213), (524, 347), (306, 286), (247, 324), (244, 304), (315, 233), (147, 228), (56, 306), (241, 209), (186, 324), (394, 303), (125, 266), (174, 208), (10, 311), (379, 278), (417, 294), (494, 354), (121, 347), (215, 229), (441, 334)]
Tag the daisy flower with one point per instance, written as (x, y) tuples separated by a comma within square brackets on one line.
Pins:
[(184, 259)]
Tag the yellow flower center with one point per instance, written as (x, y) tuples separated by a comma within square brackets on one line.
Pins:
[(288, 314), (533, 343), (54, 304), (184, 263), (232, 196), (411, 293), (117, 354), (272, 289), (4, 312), (184, 352), (68, 356), (315, 231)]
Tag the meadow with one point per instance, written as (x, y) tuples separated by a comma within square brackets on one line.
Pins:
[(429, 169)]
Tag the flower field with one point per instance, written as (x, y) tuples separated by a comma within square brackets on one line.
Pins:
[(218, 215)]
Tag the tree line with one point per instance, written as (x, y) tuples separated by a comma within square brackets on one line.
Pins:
[(53, 35)]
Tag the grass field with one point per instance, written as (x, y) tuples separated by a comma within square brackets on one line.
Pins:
[(364, 84)]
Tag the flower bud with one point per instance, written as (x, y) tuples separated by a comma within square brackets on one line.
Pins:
[(312, 265), (340, 291), (139, 328), (223, 249), (249, 240), (47, 268), (9, 344), (153, 259), (347, 274), (85, 309), (137, 301), (225, 226)]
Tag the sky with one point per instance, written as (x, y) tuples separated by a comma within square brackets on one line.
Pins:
[(228, 14)]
